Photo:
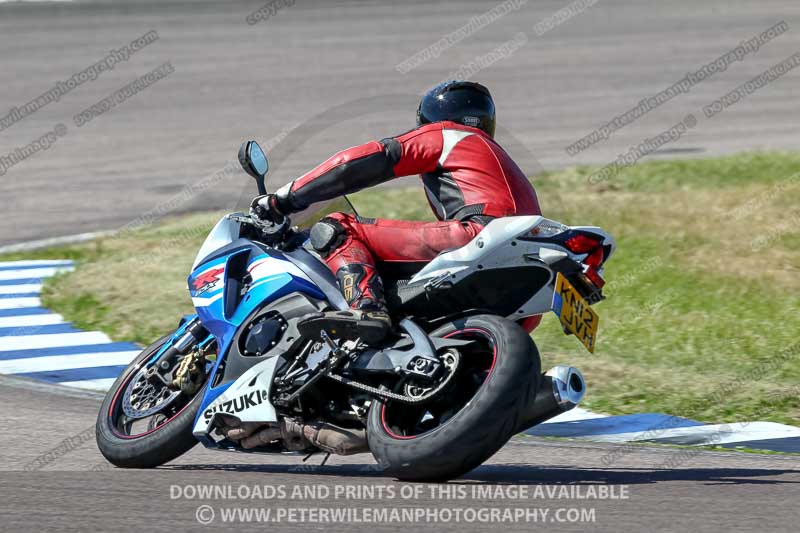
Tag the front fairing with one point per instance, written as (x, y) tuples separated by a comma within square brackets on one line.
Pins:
[(232, 278), (228, 286), (239, 278)]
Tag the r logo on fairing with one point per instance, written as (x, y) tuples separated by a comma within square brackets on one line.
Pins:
[(207, 280)]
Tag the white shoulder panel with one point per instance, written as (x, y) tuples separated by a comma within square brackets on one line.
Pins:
[(451, 139)]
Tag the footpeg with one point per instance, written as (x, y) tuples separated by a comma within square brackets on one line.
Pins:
[(345, 325)]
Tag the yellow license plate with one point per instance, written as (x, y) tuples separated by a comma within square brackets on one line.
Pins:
[(574, 313)]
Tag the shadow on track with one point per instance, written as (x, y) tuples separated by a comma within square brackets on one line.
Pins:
[(536, 475), (523, 474)]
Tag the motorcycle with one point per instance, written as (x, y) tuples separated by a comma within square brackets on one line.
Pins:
[(457, 379)]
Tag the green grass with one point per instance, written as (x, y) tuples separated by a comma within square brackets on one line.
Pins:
[(132, 286), (693, 305), (671, 175)]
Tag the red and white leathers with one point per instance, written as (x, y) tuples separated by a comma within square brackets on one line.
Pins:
[(468, 178)]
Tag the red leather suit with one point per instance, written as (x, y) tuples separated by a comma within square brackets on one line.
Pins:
[(468, 178)]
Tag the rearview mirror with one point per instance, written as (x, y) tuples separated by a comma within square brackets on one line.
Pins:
[(254, 162)]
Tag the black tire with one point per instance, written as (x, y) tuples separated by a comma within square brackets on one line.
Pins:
[(478, 430), (165, 443)]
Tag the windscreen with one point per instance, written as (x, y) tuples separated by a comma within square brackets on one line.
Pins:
[(310, 216), (225, 232)]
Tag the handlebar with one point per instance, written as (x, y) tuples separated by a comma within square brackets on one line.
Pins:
[(273, 231)]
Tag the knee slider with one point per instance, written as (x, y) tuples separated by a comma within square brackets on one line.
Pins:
[(327, 235)]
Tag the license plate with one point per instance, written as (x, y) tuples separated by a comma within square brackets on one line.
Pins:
[(574, 313)]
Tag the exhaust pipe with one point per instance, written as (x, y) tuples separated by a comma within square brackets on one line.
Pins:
[(335, 439), (560, 389), (330, 438)]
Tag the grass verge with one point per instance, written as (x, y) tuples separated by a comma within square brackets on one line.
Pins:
[(702, 315)]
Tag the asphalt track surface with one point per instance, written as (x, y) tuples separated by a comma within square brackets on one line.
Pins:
[(320, 75), (75, 489), (325, 70)]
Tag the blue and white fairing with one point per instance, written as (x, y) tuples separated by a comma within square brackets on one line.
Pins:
[(216, 290)]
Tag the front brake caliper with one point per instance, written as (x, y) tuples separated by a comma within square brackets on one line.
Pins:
[(190, 373)]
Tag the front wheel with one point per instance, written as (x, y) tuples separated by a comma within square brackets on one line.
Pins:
[(497, 375), (143, 425)]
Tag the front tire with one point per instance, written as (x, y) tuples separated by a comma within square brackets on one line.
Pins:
[(481, 427), (160, 444)]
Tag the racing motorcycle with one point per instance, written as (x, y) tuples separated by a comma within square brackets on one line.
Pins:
[(253, 371)]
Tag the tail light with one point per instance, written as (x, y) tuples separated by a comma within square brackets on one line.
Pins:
[(593, 262), (583, 244)]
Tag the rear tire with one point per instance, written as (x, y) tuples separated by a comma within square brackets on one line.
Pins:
[(482, 426), (165, 443)]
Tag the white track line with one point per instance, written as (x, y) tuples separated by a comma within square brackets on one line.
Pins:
[(90, 384), (66, 362), (53, 241), (15, 303), (32, 1), (703, 435), (19, 289), (35, 262), (33, 272), (30, 320), (42, 269), (574, 415), (54, 340), (729, 433)]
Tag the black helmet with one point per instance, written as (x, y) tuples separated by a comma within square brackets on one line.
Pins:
[(464, 102)]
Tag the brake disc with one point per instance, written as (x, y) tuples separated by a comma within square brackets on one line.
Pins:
[(142, 398)]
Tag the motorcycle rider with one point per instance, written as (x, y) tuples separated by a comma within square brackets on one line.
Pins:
[(468, 179)]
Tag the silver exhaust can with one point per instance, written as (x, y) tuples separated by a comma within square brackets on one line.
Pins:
[(560, 389)]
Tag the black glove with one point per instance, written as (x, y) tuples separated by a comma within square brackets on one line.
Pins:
[(267, 208)]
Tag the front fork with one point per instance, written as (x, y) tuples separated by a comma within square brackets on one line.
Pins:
[(193, 335)]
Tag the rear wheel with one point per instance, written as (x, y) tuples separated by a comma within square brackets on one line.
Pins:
[(475, 414), (144, 425)]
